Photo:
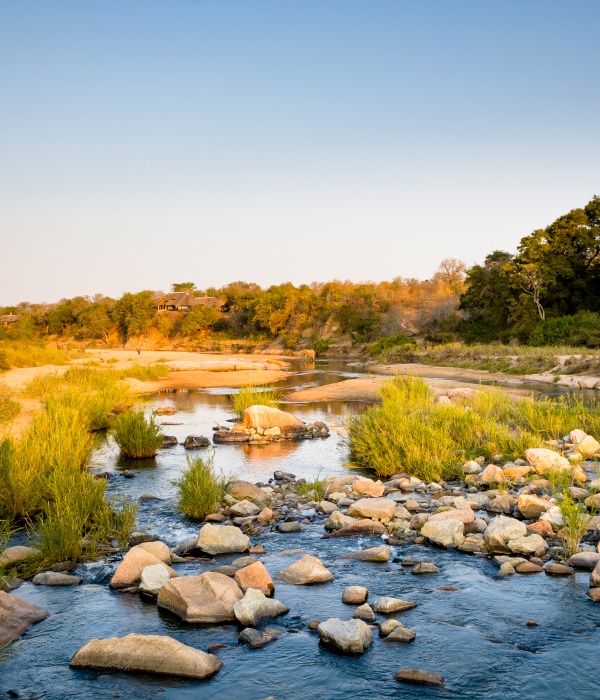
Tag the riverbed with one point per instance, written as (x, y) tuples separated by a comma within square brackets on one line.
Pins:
[(476, 636)]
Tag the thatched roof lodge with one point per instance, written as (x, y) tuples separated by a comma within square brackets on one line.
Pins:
[(9, 319), (185, 301)]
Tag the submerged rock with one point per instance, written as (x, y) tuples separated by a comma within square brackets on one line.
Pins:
[(16, 615), (418, 676), (255, 607), (359, 527), (257, 639), (374, 554), (148, 653), (353, 636)]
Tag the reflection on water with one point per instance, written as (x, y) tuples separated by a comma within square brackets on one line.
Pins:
[(476, 636)]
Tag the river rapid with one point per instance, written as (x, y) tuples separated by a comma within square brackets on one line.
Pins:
[(475, 636)]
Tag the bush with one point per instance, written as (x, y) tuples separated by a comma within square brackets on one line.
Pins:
[(389, 342), (575, 521), (200, 488), (138, 437), (314, 488), (581, 330), (248, 396)]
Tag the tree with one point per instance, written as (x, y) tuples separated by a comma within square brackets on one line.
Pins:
[(201, 318), (183, 287), (134, 312)]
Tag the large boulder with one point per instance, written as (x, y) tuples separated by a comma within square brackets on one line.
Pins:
[(305, 571), (209, 597), (245, 490), (222, 539), (244, 509), (266, 417), (501, 531), (373, 508), (543, 460), (16, 554), (255, 576), (447, 533), (531, 506), (588, 446), (353, 636), (585, 560), (158, 549), (129, 571), (527, 545), (337, 485), (255, 607), (595, 576), (16, 615), (147, 653)]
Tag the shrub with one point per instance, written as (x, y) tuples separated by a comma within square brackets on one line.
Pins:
[(200, 487), (316, 487), (138, 437), (247, 396), (389, 342), (575, 521), (582, 329)]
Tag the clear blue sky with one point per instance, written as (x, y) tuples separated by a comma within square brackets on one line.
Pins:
[(144, 142)]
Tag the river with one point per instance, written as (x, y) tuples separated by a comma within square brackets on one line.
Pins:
[(475, 636)]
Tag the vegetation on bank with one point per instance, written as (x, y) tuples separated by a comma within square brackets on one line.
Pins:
[(411, 432), (200, 487), (45, 481)]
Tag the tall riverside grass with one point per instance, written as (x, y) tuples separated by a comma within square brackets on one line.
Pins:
[(145, 373), (200, 487), (265, 395), (9, 408), (411, 432), (33, 353), (44, 476), (137, 436)]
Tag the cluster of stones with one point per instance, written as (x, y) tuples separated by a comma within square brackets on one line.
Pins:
[(262, 424)]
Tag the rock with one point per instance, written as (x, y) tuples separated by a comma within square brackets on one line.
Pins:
[(139, 538), (258, 548), (528, 567), (283, 476), (401, 633), (169, 441), (594, 594), (374, 554), (555, 569), (388, 605), (595, 576), (153, 578), (305, 571), (255, 576), (553, 516), (209, 597), (16, 615), (419, 676), (465, 515), (244, 508), (52, 578), (593, 501), (527, 545), (368, 487), (585, 560), (129, 571), (266, 417), (19, 553), (158, 549), (506, 569), (224, 436), (289, 527), (165, 411), (531, 506), (337, 520), (327, 508), (242, 562), (425, 567), (255, 607), (447, 533), (516, 472), (501, 531), (244, 490), (501, 504), (387, 627), (372, 508), (355, 595), (542, 459), (352, 636), (541, 527), (265, 516), (471, 467), (257, 639), (195, 442), (359, 527), (491, 475), (147, 653), (364, 612), (222, 539), (588, 446)]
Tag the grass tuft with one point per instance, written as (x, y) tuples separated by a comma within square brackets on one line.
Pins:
[(200, 487), (9, 408), (265, 395), (137, 436)]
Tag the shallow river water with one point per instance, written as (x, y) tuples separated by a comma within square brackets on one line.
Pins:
[(475, 636)]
